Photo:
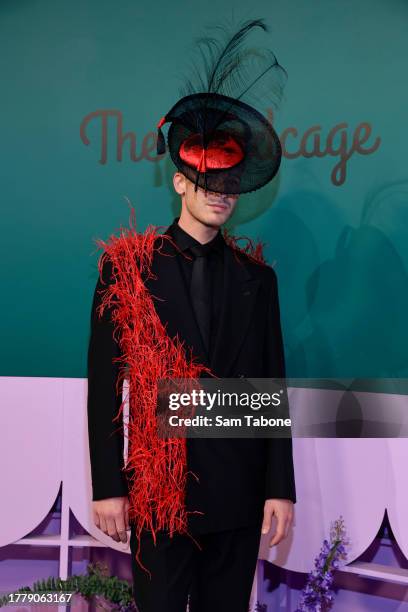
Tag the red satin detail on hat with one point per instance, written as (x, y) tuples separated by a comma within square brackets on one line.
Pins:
[(202, 164), (223, 151), (161, 122)]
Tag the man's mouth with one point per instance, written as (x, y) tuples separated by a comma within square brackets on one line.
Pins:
[(218, 204)]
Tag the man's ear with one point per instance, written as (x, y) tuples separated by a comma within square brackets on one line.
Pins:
[(179, 183)]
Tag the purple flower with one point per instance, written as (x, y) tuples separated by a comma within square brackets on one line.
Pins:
[(317, 594)]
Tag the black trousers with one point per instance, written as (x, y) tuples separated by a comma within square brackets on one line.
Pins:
[(216, 578)]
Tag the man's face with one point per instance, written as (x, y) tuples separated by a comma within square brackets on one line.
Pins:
[(210, 208)]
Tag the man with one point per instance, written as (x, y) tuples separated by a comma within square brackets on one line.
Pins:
[(222, 304)]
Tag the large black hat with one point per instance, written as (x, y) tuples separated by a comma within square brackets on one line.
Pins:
[(216, 138)]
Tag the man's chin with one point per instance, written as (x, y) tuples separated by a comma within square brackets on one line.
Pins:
[(217, 218)]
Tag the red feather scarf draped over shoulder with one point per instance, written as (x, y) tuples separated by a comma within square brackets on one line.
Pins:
[(156, 467)]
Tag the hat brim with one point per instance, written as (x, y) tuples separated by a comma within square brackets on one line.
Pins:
[(204, 114)]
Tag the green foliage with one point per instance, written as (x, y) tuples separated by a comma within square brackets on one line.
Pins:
[(96, 583)]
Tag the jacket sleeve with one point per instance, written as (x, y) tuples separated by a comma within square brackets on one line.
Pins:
[(103, 403), (280, 478)]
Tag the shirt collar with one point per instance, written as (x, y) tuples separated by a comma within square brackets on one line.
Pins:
[(184, 240)]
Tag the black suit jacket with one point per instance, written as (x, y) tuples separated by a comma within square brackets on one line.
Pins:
[(236, 476)]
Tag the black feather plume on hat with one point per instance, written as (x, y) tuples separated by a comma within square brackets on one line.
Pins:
[(250, 74)]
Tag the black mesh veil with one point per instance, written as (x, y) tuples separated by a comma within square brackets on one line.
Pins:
[(199, 113)]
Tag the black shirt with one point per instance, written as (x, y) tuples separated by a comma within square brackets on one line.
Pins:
[(215, 256)]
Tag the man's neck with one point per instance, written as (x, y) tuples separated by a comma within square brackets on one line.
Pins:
[(201, 232)]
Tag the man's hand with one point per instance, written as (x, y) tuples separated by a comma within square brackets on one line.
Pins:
[(283, 510), (111, 516)]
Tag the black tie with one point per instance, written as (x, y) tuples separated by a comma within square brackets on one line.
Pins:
[(200, 291)]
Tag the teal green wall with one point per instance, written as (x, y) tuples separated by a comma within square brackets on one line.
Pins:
[(340, 251)]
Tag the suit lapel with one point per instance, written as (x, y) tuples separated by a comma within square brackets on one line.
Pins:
[(172, 301), (173, 306), (240, 290)]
